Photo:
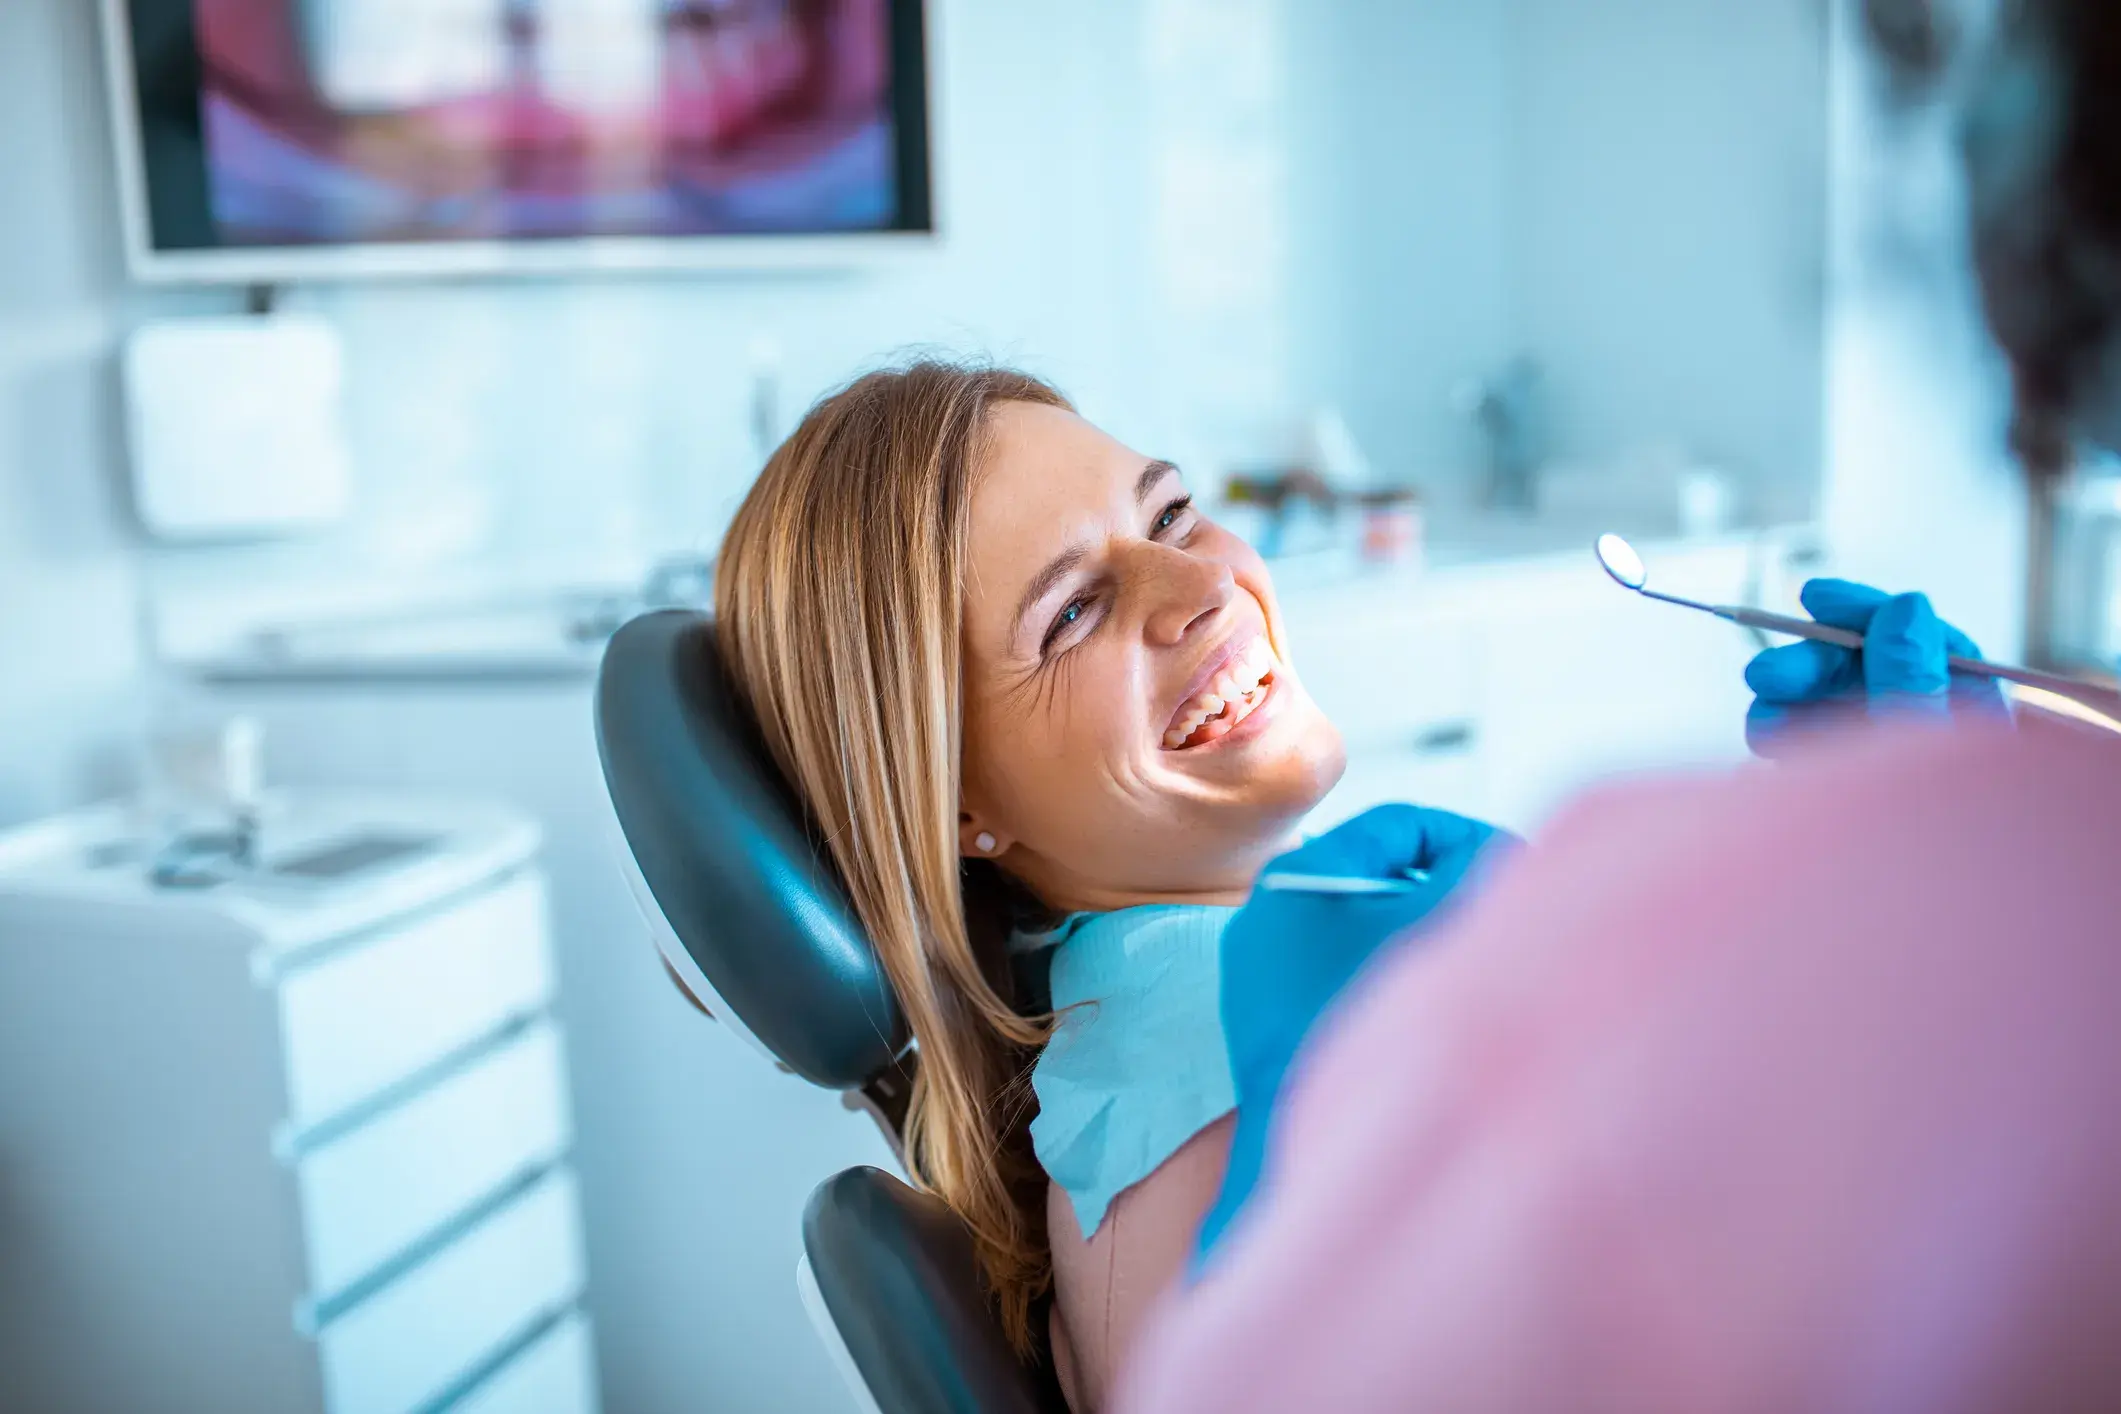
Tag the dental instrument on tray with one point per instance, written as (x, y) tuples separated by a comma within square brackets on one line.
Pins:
[(1620, 561), (1339, 884)]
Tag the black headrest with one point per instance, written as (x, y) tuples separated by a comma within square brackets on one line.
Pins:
[(754, 919), (897, 1276)]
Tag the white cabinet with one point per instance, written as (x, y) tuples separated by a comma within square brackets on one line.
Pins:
[(1500, 690), (1585, 681), (500, 1119), (1400, 674), (298, 1140), (427, 1332)]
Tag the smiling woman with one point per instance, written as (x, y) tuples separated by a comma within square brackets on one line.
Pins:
[(1041, 710)]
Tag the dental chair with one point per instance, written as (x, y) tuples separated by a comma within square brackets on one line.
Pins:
[(750, 917)]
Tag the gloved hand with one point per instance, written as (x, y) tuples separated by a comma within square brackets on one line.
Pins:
[(1286, 956), (1901, 668)]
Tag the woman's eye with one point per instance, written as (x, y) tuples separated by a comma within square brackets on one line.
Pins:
[(1071, 614), (1173, 514)]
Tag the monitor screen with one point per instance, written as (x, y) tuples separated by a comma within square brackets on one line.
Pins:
[(297, 126)]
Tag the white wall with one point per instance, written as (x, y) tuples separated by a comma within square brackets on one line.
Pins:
[(551, 421), (1402, 278), (1632, 191), (68, 646), (1666, 219)]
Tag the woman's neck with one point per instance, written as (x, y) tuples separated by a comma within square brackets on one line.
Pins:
[(1110, 900), (1225, 887)]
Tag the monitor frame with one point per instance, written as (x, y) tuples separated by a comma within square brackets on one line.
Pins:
[(264, 265)]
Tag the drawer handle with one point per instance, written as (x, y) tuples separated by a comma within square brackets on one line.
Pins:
[(1445, 738)]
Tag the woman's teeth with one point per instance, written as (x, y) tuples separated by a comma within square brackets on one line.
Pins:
[(1215, 712)]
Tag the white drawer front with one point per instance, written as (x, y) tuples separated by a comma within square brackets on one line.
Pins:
[(403, 1346), (555, 1376), (378, 1010), (369, 1194)]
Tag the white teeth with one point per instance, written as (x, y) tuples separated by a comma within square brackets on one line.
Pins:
[(1237, 687)]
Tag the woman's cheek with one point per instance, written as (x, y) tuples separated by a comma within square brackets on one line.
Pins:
[(1254, 578)]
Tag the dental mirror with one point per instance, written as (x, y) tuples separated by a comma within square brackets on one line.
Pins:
[(1621, 562)]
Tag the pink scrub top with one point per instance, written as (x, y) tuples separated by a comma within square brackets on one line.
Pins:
[(1799, 1089)]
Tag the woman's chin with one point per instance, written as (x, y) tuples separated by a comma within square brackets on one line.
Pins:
[(1284, 757), (1318, 767)]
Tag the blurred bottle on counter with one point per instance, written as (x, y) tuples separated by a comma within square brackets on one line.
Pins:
[(763, 407), (1281, 510), (2083, 571), (1324, 493), (1393, 528), (200, 803)]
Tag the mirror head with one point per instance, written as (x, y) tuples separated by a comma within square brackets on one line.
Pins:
[(1620, 561)]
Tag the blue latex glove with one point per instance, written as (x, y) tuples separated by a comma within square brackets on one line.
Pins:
[(1286, 956), (1900, 670)]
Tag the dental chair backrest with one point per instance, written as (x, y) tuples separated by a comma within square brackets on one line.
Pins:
[(750, 916)]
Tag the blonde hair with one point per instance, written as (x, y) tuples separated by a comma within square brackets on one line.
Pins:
[(839, 600)]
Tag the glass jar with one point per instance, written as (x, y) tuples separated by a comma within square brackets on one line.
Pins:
[(2084, 569)]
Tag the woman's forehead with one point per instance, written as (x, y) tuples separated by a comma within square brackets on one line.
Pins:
[(1032, 444), (1045, 477)]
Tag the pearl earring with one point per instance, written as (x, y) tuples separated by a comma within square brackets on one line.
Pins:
[(983, 842)]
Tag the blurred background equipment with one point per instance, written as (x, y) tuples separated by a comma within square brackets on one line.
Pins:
[(1506, 410), (293, 1134), (236, 426), (2086, 507)]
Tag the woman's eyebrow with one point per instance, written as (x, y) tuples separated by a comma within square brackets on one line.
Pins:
[(1042, 583), (1151, 474)]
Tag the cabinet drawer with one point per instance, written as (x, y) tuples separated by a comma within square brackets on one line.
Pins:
[(557, 1375), (1386, 680), (369, 1194), (435, 1325), (374, 1012)]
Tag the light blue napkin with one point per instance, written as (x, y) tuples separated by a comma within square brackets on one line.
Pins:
[(1138, 1067)]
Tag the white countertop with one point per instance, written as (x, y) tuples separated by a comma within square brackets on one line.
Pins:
[(102, 855)]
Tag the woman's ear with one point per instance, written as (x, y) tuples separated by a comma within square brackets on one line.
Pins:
[(978, 840)]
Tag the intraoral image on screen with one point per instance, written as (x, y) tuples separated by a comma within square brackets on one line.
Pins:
[(332, 122)]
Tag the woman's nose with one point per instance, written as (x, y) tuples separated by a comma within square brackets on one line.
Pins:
[(1186, 594)]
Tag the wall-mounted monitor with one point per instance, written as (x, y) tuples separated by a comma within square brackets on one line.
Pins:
[(262, 141)]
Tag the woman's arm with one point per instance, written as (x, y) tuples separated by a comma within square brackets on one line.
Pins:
[(1103, 1287)]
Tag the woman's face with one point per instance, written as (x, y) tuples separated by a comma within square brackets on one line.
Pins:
[(1133, 731)]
